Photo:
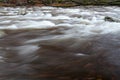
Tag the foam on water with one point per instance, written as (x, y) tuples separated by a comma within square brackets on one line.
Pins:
[(90, 19), (75, 42), (26, 49), (33, 24), (2, 33), (1, 59)]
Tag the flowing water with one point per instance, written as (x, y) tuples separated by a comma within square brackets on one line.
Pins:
[(49, 43)]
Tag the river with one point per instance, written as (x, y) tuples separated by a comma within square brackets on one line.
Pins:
[(49, 43)]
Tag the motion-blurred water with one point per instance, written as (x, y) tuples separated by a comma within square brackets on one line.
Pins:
[(49, 43)]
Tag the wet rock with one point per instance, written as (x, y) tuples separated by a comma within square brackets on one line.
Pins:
[(110, 19), (22, 11)]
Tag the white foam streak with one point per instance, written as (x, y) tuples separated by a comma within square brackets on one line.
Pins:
[(33, 24), (82, 20), (26, 49)]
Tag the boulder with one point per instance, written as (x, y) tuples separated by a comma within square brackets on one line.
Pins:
[(110, 19)]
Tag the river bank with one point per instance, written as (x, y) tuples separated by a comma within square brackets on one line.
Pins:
[(64, 3)]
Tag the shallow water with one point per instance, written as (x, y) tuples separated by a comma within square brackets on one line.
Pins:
[(48, 43)]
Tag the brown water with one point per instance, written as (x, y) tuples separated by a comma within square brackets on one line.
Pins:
[(60, 43), (34, 55)]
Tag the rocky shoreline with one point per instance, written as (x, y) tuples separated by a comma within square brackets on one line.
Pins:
[(62, 3)]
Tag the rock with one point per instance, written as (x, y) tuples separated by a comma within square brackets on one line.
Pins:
[(22, 11), (110, 19)]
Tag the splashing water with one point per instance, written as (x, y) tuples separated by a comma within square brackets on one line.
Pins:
[(49, 43)]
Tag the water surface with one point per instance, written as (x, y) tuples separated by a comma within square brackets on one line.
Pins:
[(48, 43)]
